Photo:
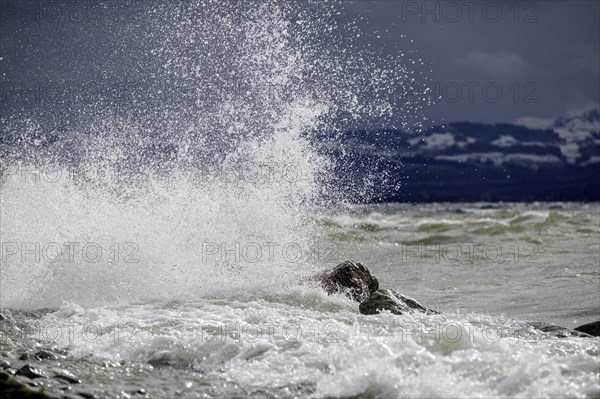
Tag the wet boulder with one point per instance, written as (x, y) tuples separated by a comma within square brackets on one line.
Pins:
[(393, 301), (11, 388), (351, 278), (29, 357), (66, 376), (590, 328), (46, 355), (31, 372)]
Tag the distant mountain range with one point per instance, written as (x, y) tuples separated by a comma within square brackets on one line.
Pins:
[(463, 161), (532, 160)]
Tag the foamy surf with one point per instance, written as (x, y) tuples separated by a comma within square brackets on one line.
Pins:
[(159, 244), (302, 342), (146, 198)]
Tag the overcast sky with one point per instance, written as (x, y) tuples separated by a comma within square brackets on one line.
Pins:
[(490, 61), (543, 56)]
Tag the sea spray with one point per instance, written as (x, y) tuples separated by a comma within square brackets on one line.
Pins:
[(196, 176)]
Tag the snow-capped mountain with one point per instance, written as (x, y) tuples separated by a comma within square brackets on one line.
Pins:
[(574, 140), (472, 161)]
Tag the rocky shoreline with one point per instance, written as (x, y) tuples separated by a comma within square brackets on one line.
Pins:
[(38, 375), (44, 378), (355, 281), (42, 373), (37, 371)]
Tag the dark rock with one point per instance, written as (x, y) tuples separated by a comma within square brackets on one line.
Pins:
[(592, 329), (6, 315), (87, 395), (31, 372), (29, 357), (68, 377), (46, 355), (11, 388), (558, 331), (350, 278), (394, 302), (4, 364)]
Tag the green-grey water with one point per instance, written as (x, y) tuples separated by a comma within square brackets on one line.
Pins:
[(489, 268)]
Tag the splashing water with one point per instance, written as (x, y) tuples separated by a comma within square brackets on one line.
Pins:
[(198, 178), (163, 220)]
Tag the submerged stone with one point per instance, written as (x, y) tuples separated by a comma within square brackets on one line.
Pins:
[(11, 388), (68, 377), (31, 372), (87, 395), (558, 331), (394, 302), (46, 355), (29, 357)]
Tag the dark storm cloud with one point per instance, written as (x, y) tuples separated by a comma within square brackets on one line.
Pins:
[(496, 61), (490, 61)]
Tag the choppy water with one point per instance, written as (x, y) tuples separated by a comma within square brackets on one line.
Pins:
[(533, 261), (288, 339), (166, 245)]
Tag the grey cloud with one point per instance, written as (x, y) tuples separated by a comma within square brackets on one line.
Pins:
[(499, 65)]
